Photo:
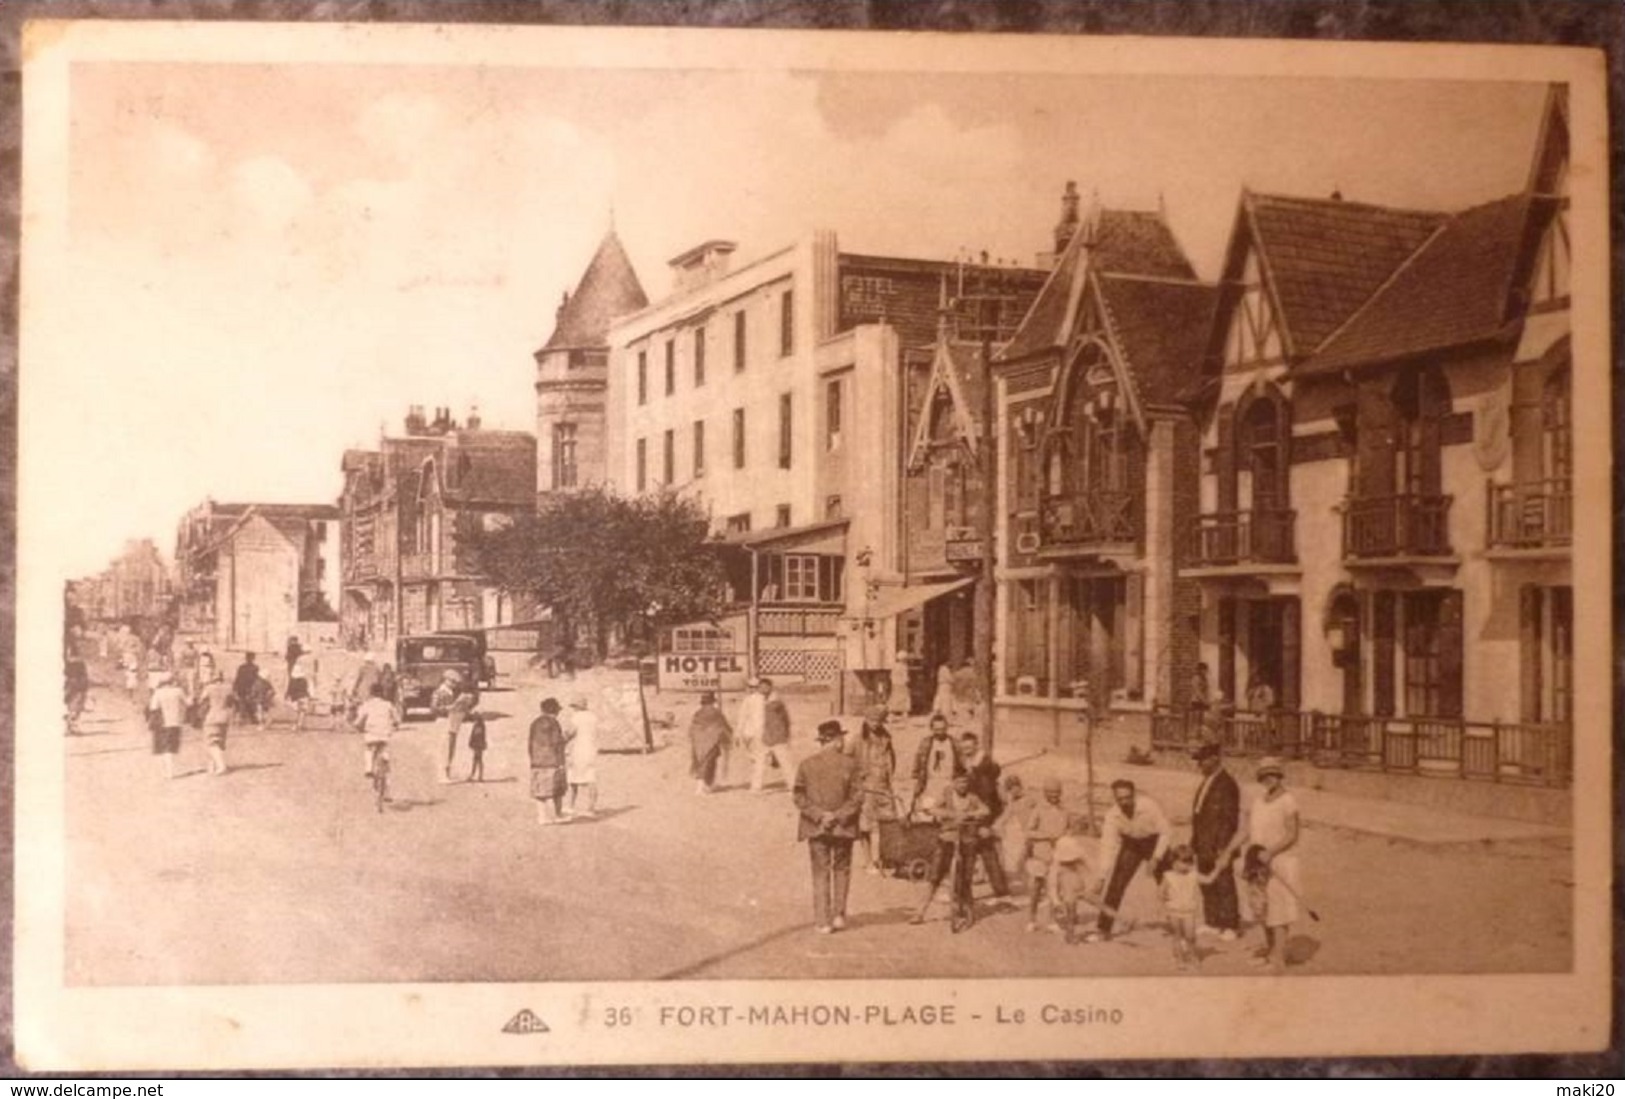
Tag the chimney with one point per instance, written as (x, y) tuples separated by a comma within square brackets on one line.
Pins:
[(701, 264), (415, 423), (564, 300), (474, 418), (1068, 225)]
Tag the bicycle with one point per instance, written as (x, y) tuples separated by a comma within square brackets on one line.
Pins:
[(380, 775), (963, 907)]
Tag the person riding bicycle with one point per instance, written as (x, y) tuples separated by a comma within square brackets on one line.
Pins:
[(377, 721), (962, 819)]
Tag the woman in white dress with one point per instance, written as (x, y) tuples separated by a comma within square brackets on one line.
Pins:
[(1270, 862)]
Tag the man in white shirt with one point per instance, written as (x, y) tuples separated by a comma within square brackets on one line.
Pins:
[(1135, 831), (752, 719)]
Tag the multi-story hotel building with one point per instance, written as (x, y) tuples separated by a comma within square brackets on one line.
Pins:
[(774, 393), (1385, 512)]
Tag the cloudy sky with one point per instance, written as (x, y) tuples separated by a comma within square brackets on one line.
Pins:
[(269, 262)]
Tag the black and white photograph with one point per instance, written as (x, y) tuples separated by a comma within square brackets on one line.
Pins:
[(609, 545)]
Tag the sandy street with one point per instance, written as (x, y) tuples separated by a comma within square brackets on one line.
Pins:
[(282, 872)]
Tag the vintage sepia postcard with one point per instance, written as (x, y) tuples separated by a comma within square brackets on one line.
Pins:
[(549, 546)]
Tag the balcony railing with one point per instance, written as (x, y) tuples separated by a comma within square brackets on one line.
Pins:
[(1397, 526), (1532, 754), (1090, 518), (1261, 536), (1532, 515)]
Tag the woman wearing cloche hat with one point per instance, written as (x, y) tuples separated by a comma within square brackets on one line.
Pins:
[(1270, 864)]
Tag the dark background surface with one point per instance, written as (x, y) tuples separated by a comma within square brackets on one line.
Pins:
[(1594, 23)]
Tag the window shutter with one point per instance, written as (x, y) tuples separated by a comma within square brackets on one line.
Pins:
[(1450, 654), (1529, 651), (1134, 635), (1283, 453), (1224, 458), (1227, 649), (1382, 654), (1291, 647), (1374, 443)]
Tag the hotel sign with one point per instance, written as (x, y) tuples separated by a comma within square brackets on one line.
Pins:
[(701, 671), (964, 550)]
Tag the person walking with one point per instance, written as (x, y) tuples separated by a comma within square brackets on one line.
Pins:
[(216, 704), (548, 777), (984, 783), (877, 766), (775, 743), (293, 652), (752, 719), (1135, 831), (245, 684), (581, 758), (708, 735), (476, 749), (299, 692), (936, 762), (454, 700), (828, 795), (167, 711), (1215, 819)]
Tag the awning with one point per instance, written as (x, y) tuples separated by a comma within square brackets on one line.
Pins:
[(828, 536), (894, 601)]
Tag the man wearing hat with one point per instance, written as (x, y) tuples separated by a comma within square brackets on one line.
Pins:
[(581, 758), (547, 763), (828, 793), (455, 701), (1215, 817)]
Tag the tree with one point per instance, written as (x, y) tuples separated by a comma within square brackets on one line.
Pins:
[(605, 562)]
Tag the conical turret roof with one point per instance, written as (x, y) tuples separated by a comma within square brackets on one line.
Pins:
[(609, 288)]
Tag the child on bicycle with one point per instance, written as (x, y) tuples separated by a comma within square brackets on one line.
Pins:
[(377, 721), (961, 816)]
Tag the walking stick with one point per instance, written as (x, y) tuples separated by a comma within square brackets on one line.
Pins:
[(1313, 915)]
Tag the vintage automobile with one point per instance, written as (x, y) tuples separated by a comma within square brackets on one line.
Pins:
[(488, 663), (422, 661)]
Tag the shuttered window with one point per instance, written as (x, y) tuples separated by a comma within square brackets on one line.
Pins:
[(1291, 647), (1382, 653), (1227, 650)]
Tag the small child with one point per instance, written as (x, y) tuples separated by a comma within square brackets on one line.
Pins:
[(1070, 873), (1182, 900), (476, 745)]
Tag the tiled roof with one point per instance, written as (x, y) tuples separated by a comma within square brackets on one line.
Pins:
[(1454, 290), (1130, 242), (971, 375), (1326, 257), (608, 289), (1161, 329), (500, 467)]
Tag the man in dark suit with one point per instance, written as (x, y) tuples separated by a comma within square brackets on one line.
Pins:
[(1215, 816), (828, 793)]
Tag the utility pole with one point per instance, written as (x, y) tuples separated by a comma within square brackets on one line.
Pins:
[(990, 295)]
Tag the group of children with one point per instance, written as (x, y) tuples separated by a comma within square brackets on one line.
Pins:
[(1059, 851)]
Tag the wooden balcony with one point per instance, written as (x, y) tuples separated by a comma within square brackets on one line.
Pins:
[(1531, 516), (1386, 527), (1231, 538), (1089, 519), (1511, 752)]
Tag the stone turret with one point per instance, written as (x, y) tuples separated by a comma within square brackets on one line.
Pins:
[(572, 372)]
